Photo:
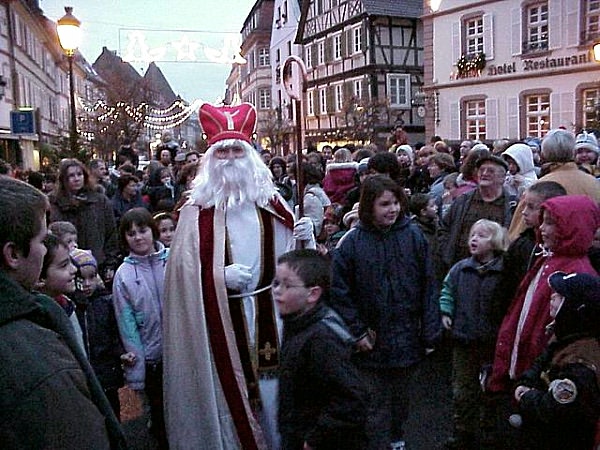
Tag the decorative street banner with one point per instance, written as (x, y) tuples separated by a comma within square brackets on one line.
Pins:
[(159, 45)]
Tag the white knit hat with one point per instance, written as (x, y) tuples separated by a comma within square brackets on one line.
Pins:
[(587, 140)]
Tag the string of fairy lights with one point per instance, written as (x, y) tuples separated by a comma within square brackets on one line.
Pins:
[(157, 119)]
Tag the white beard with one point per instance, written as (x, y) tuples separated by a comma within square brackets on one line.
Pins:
[(229, 183)]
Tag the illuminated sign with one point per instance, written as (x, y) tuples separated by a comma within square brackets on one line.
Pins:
[(147, 45)]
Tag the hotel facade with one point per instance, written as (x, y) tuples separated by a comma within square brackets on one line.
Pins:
[(510, 68)]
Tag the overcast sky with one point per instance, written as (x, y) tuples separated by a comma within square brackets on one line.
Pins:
[(167, 30)]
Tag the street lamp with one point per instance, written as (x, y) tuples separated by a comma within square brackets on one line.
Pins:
[(69, 35), (596, 50)]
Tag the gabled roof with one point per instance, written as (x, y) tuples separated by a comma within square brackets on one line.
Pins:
[(108, 65), (391, 8), (158, 83), (394, 8)]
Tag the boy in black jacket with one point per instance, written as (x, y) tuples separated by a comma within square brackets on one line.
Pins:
[(96, 317), (322, 399), (559, 397)]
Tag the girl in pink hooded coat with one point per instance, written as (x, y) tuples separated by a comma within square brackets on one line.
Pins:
[(568, 226)]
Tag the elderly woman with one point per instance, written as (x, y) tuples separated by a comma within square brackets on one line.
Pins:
[(558, 154), (78, 201)]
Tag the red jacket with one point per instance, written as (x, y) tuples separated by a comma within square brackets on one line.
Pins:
[(577, 218), (338, 180)]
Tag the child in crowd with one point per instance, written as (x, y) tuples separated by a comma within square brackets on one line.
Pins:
[(523, 251), (450, 192), (65, 232), (322, 398), (567, 230), (393, 318), (100, 332), (521, 170), (332, 228), (471, 316), (58, 279), (166, 228), (424, 211), (559, 396), (138, 296)]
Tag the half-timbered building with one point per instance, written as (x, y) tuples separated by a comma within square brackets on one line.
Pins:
[(365, 64)]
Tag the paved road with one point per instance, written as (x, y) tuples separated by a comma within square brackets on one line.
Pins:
[(430, 418), (428, 426)]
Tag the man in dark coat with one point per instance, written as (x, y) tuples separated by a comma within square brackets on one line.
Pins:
[(49, 396)]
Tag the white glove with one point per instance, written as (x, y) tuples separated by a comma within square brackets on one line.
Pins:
[(237, 277), (304, 229)]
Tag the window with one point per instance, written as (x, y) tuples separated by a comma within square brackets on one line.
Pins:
[(264, 99), (537, 28), (398, 89), (323, 101), (278, 55), (356, 40), (537, 114), (310, 110), (591, 107), (284, 15), (339, 97), (321, 52), (278, 74), (475, 119), (474, 35), (308, 54), (592, 19), (263, 57), (337, 46), (357, 88)]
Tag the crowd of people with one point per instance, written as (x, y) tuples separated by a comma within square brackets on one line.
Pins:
[(240, 325)]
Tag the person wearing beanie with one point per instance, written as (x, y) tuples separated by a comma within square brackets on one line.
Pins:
[(96, 317), (586, 152), (559, 397)]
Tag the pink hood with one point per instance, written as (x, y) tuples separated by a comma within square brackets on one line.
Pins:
[(577, 219)]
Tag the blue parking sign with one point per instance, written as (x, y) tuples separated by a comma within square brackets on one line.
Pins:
[(22, 122)]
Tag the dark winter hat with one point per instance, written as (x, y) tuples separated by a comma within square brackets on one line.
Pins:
[(494, 159), (580, 311)]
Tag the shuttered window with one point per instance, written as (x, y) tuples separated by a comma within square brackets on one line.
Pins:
[(537, 28), (398, 89), (323, 101), (591, 106), (537, 114), (475, 119), (474, 35)]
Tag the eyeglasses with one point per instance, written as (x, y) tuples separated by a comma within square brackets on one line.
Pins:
[(284, 286)]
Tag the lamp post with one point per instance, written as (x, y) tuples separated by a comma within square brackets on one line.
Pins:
[(69, 35)]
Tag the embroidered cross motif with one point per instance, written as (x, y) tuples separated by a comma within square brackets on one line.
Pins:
[(267, 351)]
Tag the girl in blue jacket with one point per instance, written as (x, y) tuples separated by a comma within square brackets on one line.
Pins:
[(138, 298), (382, 286)]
